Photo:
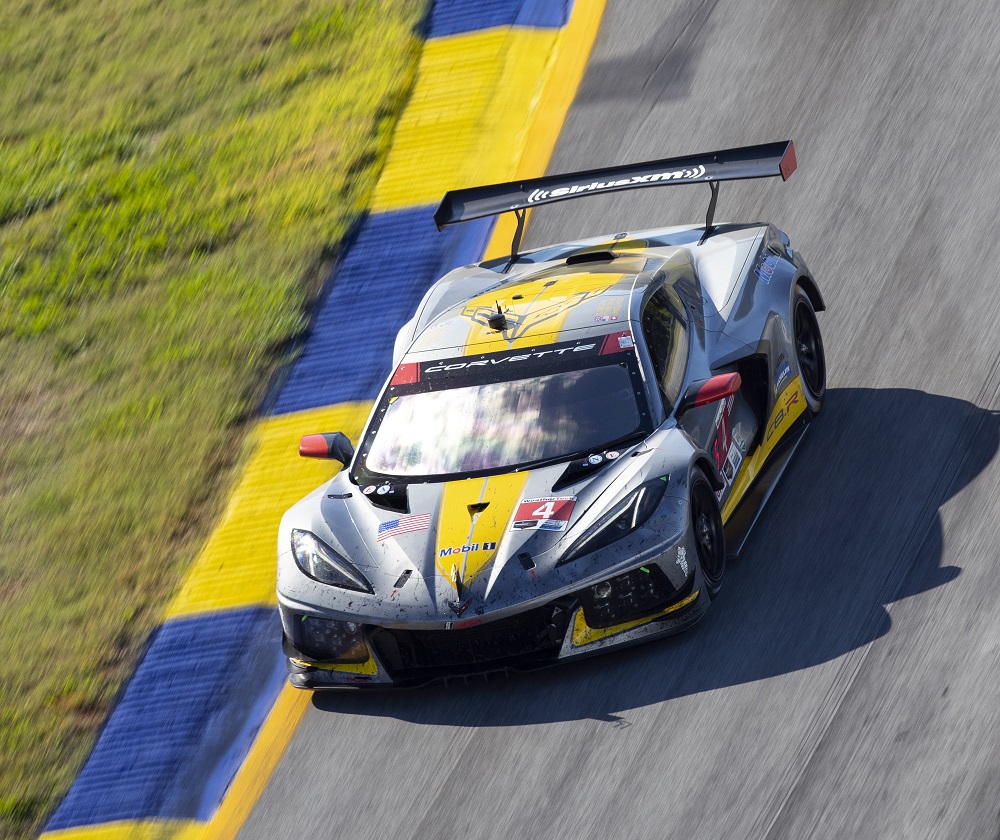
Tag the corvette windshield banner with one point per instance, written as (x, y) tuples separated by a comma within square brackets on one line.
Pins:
[(545, 356)]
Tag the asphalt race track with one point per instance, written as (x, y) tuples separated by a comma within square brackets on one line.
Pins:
[(846, 683)]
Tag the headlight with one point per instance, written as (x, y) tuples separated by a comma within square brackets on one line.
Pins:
[(322, 563), (630, 513)]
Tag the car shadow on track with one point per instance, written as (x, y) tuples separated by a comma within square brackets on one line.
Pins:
[(662, 64), (853, 526)]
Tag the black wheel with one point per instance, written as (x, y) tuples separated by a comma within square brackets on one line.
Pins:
[(706, 522), (809, 351)]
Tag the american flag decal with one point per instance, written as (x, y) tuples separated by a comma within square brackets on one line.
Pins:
[(403, 525)]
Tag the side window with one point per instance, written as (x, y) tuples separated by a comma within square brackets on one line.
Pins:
[(665, 330)]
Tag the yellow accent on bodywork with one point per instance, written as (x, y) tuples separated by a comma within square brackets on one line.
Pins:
[(538, 317), (236, 566), (584, 634), (790, 405), (458, 527), (366, 667)]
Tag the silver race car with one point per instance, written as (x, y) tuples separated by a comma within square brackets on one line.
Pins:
[(571, 442)]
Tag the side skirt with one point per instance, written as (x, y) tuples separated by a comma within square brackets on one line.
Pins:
[(740, 524)]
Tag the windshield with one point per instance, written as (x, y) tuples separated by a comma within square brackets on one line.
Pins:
[(483, 414)]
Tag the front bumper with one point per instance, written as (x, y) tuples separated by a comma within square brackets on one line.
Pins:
[(536, 638)]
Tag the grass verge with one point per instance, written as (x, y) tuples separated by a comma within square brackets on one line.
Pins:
[(175, 179)]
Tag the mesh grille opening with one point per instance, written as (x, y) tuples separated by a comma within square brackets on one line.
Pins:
[(534, 635)]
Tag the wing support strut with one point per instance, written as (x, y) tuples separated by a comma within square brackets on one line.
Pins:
[(516, 241), (710, 215)]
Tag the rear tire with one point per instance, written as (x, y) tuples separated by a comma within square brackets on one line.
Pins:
[(706, 526), (809, 354)]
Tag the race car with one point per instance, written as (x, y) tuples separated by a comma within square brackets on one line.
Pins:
[(570, 444)]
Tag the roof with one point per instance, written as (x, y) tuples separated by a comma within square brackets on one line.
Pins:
[(541, 306)]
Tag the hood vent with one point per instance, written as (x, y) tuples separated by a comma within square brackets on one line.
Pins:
[(589, 257)]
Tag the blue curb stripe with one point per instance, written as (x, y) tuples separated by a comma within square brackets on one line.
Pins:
[(190, 713), (397, 255), (453, 17), (184, 724)]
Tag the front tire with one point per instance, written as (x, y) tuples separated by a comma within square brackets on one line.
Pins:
[(809, 354), (706, 525)]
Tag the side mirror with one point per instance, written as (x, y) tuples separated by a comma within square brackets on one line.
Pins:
[(334, 446), (710, 390)]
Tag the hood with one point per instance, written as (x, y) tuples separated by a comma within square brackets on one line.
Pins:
[(480, 538)]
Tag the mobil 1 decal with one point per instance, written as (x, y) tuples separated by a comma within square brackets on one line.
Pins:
[(548, 513), (468, 548), (766, 264)]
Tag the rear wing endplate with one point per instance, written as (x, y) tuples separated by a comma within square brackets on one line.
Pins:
[(763, 161)]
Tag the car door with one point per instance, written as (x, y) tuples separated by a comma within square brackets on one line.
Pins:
[(725, 428)]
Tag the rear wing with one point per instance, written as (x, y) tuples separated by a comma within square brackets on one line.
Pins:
[(763, 161)]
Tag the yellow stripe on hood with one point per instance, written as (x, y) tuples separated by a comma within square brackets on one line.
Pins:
[(474, 516)]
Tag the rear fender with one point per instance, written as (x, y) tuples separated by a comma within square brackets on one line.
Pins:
[(767, 287), (812, 292)]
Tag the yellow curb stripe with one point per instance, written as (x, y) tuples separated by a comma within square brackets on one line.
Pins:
[(133, 830), (568, 64), (259, 764), (572, 48), (488, 107), (467, 119)]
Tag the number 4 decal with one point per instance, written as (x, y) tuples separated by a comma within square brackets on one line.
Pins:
[(551, 513), (545, 511)]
